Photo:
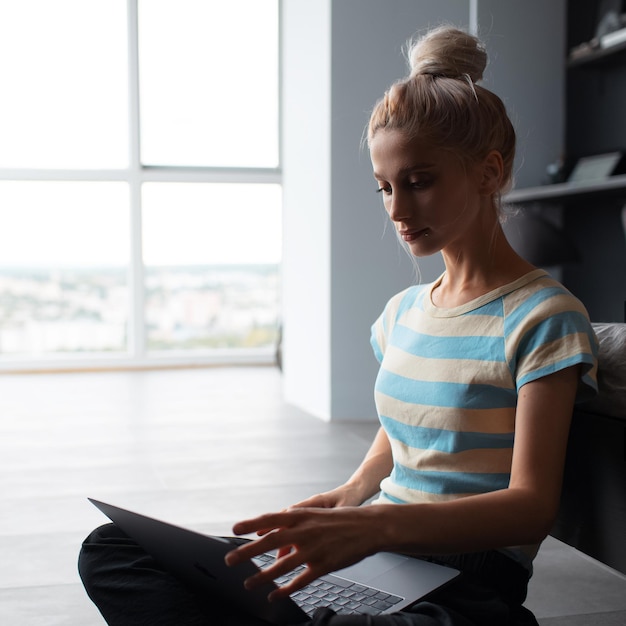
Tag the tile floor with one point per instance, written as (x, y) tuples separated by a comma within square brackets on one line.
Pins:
[(199, 447)]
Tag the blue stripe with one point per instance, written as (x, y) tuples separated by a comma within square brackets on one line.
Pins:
[(448, 483), (558, 326), (408, 301), (518, 315), (470, 396), (495, 308), (449, 441), (478, 348), (395, 500)]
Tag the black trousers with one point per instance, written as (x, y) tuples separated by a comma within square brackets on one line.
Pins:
[(130, 589)]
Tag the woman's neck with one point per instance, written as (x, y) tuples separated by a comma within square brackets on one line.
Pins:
[(478, 269)]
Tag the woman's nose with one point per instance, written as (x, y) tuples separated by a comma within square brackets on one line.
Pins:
[(398, 208)]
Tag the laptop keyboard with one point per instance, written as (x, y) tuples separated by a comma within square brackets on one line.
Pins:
[(343, 596)]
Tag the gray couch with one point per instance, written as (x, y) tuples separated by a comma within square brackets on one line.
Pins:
[(593, 505)]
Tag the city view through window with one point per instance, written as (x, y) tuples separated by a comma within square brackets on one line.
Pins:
[(211, 261), (212, 307), (45, 311)]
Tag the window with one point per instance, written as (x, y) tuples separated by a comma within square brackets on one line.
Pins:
[(211, 281), (64, 69), (139, 180), (209, 91), (64, 251)]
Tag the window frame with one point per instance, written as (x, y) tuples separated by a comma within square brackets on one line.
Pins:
[(135, 175)]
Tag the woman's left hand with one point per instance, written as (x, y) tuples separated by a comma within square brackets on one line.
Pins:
[(324, 540)]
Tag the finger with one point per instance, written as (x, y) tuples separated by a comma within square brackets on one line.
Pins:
[(317, 501), (279, 568), (301, 580), (264, 523), (303, 503), (247, 551), (284, 551), (264, 531)]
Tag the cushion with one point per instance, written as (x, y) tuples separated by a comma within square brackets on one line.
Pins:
[(611, 398)]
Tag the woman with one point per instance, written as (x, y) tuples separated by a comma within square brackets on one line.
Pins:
[(479, 374)]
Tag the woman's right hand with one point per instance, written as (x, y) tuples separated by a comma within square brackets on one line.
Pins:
[(345, 495)]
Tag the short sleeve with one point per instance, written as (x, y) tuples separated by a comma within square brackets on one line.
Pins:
[(381, 329), (377, 339), (552, 336)]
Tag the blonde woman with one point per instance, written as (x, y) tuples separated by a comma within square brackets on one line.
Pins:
[(479, 372)]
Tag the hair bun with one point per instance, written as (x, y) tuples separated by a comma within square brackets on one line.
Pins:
[(449, 52)]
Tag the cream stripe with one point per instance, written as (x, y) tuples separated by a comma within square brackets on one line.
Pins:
[(379, 334), (469, 325), (550, 353), (499, 421), (487, 461), (548, 308), (464, 371), (519, 297), (386, 320), (561, 303), (413, 495)]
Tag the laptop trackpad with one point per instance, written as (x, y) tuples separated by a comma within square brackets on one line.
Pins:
[(372, 567), (404, 576)]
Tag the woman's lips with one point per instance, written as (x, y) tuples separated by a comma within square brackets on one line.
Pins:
[(412, 235)]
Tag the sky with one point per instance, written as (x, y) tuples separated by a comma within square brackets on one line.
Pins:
[(83, 224), (205, 100)]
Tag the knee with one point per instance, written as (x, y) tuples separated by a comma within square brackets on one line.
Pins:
[(98, 550), (104, 534)]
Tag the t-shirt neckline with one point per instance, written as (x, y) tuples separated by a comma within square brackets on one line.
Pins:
[(476, 303)]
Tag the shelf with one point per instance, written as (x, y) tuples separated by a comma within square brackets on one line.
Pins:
[(599, 56), (564, 191)]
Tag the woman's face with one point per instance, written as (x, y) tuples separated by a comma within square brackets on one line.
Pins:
[(431, 197)]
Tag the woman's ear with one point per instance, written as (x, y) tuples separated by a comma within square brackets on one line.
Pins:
[(491, 173)]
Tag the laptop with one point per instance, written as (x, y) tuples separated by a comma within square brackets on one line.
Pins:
[(383, 583)]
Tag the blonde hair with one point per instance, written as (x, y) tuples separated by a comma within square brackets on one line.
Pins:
[(441, 103)]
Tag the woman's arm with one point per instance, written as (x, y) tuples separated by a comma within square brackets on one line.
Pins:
[(329, 539), (523, 513)]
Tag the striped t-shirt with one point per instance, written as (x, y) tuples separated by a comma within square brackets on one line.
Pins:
[(448, 382)]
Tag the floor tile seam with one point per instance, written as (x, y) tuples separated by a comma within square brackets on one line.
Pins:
[(560, 617), (8, 589)]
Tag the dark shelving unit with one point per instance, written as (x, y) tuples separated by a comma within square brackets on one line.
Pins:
[(611, 55), (565, 192), (591, 212)]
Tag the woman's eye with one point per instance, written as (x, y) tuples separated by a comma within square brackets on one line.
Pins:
[(422, 183), (384, 189)]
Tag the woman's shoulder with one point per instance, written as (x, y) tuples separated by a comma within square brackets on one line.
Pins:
[(399, 304), (541, 296), (410, 297)]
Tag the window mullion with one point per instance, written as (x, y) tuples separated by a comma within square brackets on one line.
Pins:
[(137, 333), (210, 175)]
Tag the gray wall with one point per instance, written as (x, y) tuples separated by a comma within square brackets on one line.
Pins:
[(368, 264), (341, 259), (526, 43)]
